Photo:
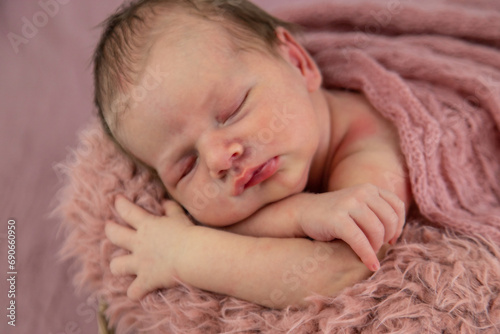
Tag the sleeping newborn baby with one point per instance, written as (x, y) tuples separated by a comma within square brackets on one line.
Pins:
[(265, 168)]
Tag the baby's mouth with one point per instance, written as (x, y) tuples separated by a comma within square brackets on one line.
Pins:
[(253, 176)]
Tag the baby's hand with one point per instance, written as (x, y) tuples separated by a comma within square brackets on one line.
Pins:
[(154, 242), (364, 216)]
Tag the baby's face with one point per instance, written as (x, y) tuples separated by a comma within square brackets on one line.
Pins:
[(228, 132)]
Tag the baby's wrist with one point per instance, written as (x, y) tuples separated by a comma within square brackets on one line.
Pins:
[(297, 205)]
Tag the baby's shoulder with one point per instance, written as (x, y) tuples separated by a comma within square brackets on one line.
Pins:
[(358, 114), (363, 127)]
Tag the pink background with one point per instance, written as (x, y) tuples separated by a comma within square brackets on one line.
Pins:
[(45, 99)]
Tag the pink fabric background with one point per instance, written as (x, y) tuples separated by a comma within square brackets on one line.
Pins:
[(45, 99)]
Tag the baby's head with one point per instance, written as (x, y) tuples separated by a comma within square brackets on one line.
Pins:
[(121, 56), (215, 96)]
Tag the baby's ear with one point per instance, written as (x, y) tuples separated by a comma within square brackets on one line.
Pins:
[(297, 56)]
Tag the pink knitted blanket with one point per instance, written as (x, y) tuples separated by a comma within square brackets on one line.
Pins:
[(432, 68)]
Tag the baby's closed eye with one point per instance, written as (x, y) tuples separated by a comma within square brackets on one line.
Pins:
[(234, 110), (188, 163)]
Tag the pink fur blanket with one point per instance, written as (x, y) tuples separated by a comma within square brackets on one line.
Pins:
[(433, 69)]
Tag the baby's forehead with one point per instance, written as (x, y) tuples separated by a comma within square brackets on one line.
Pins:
[(198, 44), (190, 39), (230, 36)]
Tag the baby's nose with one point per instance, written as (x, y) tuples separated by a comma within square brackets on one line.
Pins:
[(224, 158)]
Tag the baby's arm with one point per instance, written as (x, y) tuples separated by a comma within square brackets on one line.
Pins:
[(364, 216), (270, 272), (368, 194)]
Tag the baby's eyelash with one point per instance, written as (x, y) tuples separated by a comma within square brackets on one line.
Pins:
[(237, 110)]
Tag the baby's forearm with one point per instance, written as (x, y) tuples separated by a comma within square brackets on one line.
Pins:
[(267, 271), (276, 220)]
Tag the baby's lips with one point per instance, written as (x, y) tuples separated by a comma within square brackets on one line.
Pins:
[(242, 180), (255, 175)]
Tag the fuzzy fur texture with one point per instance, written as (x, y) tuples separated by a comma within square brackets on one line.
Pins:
[(433, 69)]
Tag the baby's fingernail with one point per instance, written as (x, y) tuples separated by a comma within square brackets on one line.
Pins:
[(375, 266)]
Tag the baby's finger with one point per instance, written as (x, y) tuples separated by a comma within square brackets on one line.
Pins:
[(120, 236), (359, 243), (387, 216), (371, 226), (172, 208), (131, 213), (136, 290), (123, 265), (399, 207)]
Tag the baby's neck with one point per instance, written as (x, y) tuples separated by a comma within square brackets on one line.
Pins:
[(322, 102)]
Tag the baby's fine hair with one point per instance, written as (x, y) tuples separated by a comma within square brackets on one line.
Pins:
[(131, 32)]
